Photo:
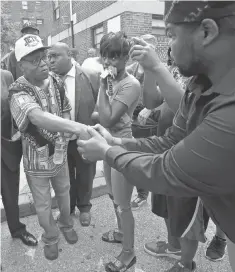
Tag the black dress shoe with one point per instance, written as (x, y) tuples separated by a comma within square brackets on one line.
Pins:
[(27, 238)]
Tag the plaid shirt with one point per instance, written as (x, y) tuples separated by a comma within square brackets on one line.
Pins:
[(37, 158)]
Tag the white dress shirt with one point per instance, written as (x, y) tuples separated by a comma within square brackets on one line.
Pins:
[(69, 83), (70, 89)]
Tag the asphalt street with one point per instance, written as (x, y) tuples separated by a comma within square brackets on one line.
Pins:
[(90, 253)]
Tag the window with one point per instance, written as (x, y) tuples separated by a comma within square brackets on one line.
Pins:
[(57, 13), (38, 6), (24, 5), (39, 21), (56, 4), (25, 20), (158, 26), (56, 9), (98, 33)]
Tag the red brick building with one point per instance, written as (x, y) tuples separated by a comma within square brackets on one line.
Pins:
[(20, 12), (93, 19)]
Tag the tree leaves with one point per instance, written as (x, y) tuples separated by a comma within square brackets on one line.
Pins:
[(9, 31)]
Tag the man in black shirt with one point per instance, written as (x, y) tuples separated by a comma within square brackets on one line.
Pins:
[(196, 155)]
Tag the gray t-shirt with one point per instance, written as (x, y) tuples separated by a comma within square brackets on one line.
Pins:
[(126, 91)]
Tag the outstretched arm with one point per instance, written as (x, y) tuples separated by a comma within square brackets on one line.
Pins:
[(25, 109), (193, 167)]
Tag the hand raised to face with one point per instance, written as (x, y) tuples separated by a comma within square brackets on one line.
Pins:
[(145, 54)]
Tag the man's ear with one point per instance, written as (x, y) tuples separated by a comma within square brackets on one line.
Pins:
[(211, 31), (70, 54), (20, 64)]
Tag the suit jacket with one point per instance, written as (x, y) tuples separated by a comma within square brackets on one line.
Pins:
[(11, 151), (85, 97)]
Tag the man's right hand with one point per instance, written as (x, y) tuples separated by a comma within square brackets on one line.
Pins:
[(104, 133), (145, 54)]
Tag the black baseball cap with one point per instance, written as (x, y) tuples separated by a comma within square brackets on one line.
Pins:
[(29, 25)]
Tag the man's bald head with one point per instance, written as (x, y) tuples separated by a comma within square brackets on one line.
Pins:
[(59, 56), (62, 47), (91, 52)]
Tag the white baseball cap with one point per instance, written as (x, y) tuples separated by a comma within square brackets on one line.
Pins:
[(28, 44)]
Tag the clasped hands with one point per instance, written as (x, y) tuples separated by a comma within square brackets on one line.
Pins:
[(93, 142)]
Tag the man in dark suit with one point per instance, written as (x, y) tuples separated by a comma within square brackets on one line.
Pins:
[(82, 96), (10, 167)]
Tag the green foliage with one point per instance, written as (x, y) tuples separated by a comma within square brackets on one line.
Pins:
[(9, 32)]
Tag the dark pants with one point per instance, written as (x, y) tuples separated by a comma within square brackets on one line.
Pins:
[(82, 174), (10, 193)]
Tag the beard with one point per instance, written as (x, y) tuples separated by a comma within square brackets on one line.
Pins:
[(194, 68)]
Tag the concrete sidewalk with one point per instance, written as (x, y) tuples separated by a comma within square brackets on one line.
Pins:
[(25, 197), (90, 252)]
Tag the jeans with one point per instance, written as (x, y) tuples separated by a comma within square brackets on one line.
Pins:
[(40, 189), (121, 191)]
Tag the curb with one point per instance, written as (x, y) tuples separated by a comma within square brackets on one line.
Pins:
[(27, 207)]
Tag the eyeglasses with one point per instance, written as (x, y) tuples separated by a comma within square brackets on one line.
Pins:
[(38, 60)]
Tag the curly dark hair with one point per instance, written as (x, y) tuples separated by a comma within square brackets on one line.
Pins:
[(114, 45)]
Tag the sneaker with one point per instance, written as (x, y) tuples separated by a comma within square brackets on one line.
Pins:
[(70, 236), (179, 267), (161, 249), (137, 203), (216, 250), (85, 219), (51, 252)]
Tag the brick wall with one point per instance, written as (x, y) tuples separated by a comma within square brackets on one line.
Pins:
[(84, 41), (83, 9), (133, 24), (16, 13), (162, 47), (136, 24)]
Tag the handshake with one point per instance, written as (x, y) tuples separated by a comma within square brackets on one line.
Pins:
[(93, 142), (85, 133)]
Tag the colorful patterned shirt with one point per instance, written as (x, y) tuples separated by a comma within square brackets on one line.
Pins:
[(38, 144)]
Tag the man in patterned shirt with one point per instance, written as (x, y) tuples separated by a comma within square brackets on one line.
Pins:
[(41, 112)]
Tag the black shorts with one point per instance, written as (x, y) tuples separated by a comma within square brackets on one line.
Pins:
[(186, 216)]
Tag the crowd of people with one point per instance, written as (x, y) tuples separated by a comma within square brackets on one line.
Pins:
[(61, 118)]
